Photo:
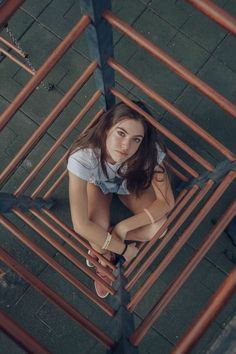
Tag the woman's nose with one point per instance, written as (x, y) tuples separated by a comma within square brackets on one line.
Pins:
[(125, 145)]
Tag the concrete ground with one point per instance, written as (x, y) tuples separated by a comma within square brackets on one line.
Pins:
[(209, 52)]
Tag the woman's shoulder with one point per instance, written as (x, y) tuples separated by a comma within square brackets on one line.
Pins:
[(87, 157)]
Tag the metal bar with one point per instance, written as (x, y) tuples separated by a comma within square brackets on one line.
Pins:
[(55, 265), (8, 8), (166, 59), (43, 70), (52, 189), (73, 245), (18, 62), (176, 172), (20, 336), (56, 299), (183, 239), (150, 245), (170, 234), (173, 110), (45, 235), (216, 13), (207, 315), (77, 237), (13, 47), (100, 44), (164, 131), (47, 122), (55, 146), (168, 295), (179, 161)]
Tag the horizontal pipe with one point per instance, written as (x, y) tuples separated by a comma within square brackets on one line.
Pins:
[(55, 265), (72, 244), (44, 70), (53, 297), (173, 110), (207, 315), (168, 295), (208, 166), (7, 9), (216, 13), (18, 62), (20, 336), (77, 237), (179, 161), (55, 168), (179, 174), (32, 141), (166, 59), (13, 47)]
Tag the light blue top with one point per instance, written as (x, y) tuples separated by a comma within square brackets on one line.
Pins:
[(85, 164)]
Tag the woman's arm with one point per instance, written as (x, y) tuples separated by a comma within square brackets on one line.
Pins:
[(163, 204), (85, 227)]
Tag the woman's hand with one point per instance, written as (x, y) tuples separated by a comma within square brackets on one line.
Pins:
[(131, 252), (120, 230)]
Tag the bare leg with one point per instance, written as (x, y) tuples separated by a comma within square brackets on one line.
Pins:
[(98, 209)]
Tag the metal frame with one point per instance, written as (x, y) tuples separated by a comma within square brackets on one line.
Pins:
[(196, 187)]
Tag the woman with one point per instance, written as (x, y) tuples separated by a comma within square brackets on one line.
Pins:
[(119, 154)]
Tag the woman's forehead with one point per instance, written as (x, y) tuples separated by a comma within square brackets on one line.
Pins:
[(132, 126)]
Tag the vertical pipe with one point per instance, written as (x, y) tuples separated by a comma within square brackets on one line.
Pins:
[(100, 43)]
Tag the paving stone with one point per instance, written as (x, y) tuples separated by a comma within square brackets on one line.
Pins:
[(54, 17), (186, 52), (230, 7), (147, 25), (19, 23), (194, 26), (9, 346), (226, 52), (128, 12), (174, 12), (35, 8), (157, 76)]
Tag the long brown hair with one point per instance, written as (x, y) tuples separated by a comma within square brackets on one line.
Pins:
[(139, 168)]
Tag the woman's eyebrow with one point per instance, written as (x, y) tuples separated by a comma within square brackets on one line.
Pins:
[(139, 135)]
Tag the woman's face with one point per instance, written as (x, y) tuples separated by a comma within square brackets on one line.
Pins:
[(123, 140)]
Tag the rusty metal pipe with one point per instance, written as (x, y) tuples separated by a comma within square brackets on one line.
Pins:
[(77, 237), (7, 9), (55, 265), (179, 161), (18, 62), (56, 299), (43, 70), (13, 47), (216, 13), (172, 109), (164, 131), (183, 239), (32, 141), (149, 245), (166, 59), (44, 160), (168, 295)]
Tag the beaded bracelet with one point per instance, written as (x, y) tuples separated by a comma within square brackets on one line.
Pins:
[(107, 241), (149, 215)]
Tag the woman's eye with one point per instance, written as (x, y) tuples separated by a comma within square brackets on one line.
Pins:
[(137, 140), (120, 133)]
